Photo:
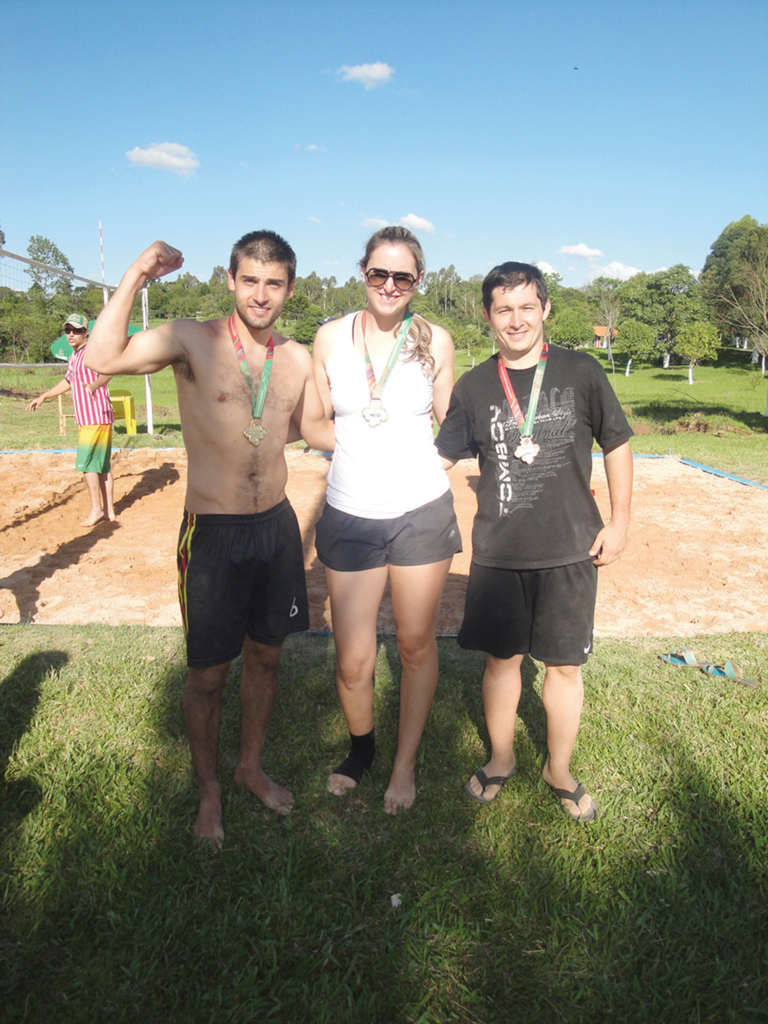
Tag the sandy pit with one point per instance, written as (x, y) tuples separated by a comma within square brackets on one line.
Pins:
[(696, 561)]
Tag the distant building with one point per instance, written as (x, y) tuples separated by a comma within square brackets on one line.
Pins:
[(600, 340)]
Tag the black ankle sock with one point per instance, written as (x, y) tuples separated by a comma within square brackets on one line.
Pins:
[(360, 757)]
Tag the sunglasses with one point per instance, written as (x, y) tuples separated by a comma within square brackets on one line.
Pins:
[(74, 330), (402, 281)]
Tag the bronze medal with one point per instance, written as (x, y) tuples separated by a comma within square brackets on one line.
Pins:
[(527, 451)]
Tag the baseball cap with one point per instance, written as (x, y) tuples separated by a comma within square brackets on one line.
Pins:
[(77, 320)]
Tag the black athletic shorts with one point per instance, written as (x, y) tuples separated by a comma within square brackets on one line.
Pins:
[(547, 613), (240, 575), (350, 543)]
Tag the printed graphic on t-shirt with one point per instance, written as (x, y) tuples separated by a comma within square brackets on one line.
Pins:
[(519, 485)]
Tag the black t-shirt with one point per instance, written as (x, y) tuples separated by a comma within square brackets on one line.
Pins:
[(540, 515)]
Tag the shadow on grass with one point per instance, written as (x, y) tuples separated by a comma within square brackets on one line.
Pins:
[(19, 696), (695, 416), (507, 912)]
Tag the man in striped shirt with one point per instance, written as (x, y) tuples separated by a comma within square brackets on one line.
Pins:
[(94, 417)]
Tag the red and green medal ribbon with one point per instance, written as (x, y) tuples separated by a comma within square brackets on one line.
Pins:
[(526, 451), (375, 413), (254, 431)]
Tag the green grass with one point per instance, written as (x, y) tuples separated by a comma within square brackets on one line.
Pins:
[(21, 430), (718, 420), (658, 912)]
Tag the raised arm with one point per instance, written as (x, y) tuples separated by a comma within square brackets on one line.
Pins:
[(612, 539), (109, 349)]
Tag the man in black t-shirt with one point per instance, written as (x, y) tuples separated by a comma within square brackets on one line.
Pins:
[(530, 415)]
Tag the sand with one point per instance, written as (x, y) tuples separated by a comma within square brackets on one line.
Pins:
[(695, 563)]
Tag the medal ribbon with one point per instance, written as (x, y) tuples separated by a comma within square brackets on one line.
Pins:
[(258, 400), (375, 388), (525, 424)]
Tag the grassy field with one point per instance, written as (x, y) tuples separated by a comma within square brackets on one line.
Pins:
[(656, 913), (22, 431), (718, 420)]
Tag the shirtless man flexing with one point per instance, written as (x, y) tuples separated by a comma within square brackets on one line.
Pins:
[(243, 392)]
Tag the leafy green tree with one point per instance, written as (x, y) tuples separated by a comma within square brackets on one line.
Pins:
[(666, 301), (328, 284), (45, 251), (721, 273), (636, 340), (696, 341), (604, 295), (737, 283), (24, 331), (572, 327), (311, 287)]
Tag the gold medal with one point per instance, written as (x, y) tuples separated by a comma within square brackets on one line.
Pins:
[(255, 432)]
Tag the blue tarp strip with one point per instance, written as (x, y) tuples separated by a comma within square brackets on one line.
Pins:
[(719, 472), (696, 465)]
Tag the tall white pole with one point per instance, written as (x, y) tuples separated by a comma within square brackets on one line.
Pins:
[(147, 379), (104, 291)]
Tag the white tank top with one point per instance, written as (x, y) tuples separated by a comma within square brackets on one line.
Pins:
[(385, 471)]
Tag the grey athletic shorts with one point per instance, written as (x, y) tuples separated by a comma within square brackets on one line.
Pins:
[(350, 543)]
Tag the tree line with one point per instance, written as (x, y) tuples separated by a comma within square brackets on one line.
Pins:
[(662, 315)]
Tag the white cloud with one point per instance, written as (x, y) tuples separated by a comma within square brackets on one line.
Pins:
[(369, 75), (418, 224), (315, 220), (616, 270), (375, 222), (165, 156), (580, 250), (545, 268), (319, 149)]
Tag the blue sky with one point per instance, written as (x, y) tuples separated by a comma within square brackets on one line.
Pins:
[(196, 122)]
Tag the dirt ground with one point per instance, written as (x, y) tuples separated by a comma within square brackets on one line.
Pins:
[(696, 561)]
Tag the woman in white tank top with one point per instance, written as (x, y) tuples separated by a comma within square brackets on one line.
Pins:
[(389, 513)]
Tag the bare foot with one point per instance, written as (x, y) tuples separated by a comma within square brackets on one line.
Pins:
[(494, 769), (208, 828), (339, 785), (582, 807), (93, 518), (401, 791), (277, 798)]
